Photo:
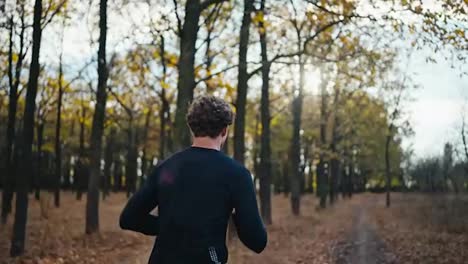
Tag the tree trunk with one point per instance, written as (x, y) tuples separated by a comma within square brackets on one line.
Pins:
[(13, 81), (66, 172), (92, 203), (335, 160), (131, 165), (225, 146), (334, 177), (8, 180), (303, 167), (210, 25), (117, 175), (164, 117), (186, 80), (350, 188), (108, 159), (144, 159), (346, 184), (310, 179), (81, 150), (265, 151), (387, 165), (58, 127), (39, 175), (286, 178), (256, 156), (296, 141), (242, 84), (164, 111), (22, 184), (322, 168), (78, 178)]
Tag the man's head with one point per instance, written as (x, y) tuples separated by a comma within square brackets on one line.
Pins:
[(209, 117)]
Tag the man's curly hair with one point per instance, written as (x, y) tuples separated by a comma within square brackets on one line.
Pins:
[(208, 116)]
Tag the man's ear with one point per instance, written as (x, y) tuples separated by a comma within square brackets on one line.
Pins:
[(224, 132)]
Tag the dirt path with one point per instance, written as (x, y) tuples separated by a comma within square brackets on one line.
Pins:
[(363, 245)]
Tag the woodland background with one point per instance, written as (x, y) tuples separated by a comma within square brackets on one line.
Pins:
[(320, 90)]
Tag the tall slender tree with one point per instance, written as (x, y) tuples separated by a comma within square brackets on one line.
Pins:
[(242, 83), (265, 151), (322, 167), (22, 179), (335, 169), (92, 203), (164, 114), (186, 66), (58, 125), (14, 78), (108, 161), (298, 95)]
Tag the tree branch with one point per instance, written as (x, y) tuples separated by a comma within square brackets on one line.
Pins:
[(52, 15), (179, 22), (215, 74), (297, 53), (79, 75), (205, 4), (125, 107)]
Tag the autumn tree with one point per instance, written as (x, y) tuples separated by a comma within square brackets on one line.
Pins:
[(186, 66)]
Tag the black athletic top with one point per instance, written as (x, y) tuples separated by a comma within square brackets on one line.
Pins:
[(195, 191)]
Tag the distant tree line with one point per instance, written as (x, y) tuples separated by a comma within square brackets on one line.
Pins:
[(439, 173)]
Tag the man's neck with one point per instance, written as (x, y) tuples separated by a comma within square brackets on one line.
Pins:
[(206, 142)]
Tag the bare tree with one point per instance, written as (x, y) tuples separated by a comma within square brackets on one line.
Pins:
[(22, 179), (14, 78), (265, 150), (92, 203), (242, 83)]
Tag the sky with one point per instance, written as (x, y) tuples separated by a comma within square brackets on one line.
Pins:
[(435, 113)]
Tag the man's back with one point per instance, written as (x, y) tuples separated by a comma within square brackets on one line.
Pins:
[(195, 191)]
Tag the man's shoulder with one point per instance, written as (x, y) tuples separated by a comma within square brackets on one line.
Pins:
[(171, 158), (221, 159), (235, 166)]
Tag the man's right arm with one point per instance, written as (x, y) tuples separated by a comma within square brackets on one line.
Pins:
[(247, 219), (136, 215)]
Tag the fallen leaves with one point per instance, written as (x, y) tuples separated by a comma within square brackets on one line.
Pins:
[(413, 229), (420, 229)]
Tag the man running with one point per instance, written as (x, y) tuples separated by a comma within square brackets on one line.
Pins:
[(196, 191)]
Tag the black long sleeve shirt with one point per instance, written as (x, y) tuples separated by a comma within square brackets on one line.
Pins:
[(195, 192)]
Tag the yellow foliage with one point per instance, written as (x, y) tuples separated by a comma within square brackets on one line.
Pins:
[(418, 9), (258, 18), (275, 121), (156, 55), (164, 84), (460, 32), (172, 59)]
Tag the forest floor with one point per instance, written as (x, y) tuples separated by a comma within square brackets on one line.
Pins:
[(416, 229)]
